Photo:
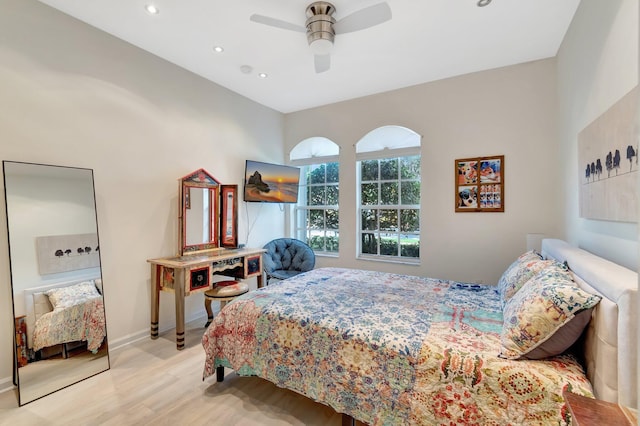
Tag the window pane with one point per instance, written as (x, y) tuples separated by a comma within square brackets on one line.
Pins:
[(385, 186), (316, 219), (369, 243), (317, 174), (318, 226), (389, 193), (332, 242), (369, 220), (369, 170), (316, 242), (388, 220), (307, 219), (409, 246), (410, 220), (316, 195), (332, 219), (410, 193), (332, 195), (332, 173), (410, 167), (388, 244), (369, 194), (389, 169)]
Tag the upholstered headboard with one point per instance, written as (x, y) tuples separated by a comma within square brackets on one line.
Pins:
[(611, 343), (36, 302)]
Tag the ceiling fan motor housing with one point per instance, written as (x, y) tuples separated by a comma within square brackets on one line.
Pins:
[(319, 24)]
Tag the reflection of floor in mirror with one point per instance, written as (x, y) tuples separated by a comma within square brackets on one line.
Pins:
[(150, 382), (40, 378)]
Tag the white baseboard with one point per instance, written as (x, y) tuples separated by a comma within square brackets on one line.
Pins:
[(144, 334), (6, 383)]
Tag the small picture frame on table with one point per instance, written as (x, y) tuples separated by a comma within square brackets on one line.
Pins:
[(479, 184), (229, 216)]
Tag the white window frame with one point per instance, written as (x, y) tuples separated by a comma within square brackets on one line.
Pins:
[(382, 155)]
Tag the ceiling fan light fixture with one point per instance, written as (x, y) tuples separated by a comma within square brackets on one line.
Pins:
[(320, 32), (321, 46)]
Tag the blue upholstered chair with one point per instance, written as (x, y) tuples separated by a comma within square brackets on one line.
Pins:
[(286, 257)]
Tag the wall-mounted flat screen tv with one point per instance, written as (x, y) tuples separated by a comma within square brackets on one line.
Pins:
[(270, 183)]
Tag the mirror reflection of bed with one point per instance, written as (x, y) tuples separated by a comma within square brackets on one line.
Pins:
[(64, 344), (56, 277)]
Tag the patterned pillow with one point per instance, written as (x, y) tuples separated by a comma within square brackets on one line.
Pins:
[(519, 272), (64, 297), (542, 306)]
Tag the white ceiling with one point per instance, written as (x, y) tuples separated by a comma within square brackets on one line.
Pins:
[(426, 40)]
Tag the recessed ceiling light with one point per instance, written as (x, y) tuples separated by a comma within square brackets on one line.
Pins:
[(482, 3), (152, 9), (263, 75), (218, 49), (246, 69)]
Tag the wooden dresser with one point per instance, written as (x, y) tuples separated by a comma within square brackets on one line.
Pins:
[(193, 273)]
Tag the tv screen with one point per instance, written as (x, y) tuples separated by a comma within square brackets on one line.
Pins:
[(270, 183)]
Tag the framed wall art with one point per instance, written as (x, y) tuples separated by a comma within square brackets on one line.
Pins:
[(480, 184), (608, 163), (229, 216)]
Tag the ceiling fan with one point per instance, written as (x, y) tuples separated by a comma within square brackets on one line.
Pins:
[(321, 27)]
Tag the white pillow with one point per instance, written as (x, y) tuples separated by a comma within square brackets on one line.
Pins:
[(41, 304), (76, 294)]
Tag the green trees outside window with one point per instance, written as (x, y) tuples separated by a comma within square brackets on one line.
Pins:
[(317, 210), (390, 207)]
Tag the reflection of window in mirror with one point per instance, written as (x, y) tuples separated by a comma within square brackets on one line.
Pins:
[(229, 223)]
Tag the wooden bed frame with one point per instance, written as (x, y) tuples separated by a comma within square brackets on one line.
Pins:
[(611, 340)]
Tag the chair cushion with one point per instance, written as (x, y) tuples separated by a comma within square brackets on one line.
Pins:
[(229, 288), (288, 254), (283, 274)]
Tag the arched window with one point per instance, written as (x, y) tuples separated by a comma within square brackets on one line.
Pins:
[(388, 174), (316, 214)]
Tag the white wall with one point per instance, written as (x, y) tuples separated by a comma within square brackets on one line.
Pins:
[(72, 95), (597, 65), (509, 111), (43, 207)]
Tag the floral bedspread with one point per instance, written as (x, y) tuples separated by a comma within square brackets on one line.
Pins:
[(80, 322), (390, 350)]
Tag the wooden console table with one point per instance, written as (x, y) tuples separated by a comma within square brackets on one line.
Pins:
[(184, 275)]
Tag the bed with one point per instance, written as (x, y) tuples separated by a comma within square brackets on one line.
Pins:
[(396, 349), (64, 313)]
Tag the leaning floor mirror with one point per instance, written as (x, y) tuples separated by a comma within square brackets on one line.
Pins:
[(56, 279)]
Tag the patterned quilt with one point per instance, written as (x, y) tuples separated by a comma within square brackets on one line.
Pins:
[(390, 349), (80, 322)]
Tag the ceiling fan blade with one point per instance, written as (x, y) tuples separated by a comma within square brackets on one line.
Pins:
[(364, 18), (278, 23), (322, 63)]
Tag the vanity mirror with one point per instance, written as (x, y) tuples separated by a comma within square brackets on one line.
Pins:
[(60, 327), (202, 227)]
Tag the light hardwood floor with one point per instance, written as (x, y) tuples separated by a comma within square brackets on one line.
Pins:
[(150, 382)]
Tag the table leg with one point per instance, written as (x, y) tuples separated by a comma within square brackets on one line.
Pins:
[(155, 299), (259, 280), (179, 296)]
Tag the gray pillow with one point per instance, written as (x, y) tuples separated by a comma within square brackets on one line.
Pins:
[(563, 338)]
